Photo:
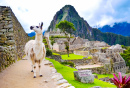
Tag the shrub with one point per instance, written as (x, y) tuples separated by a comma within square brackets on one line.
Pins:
[(121, 82), (48, 52), (52, 42), (71, 64)]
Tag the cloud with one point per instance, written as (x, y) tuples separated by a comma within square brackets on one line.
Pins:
[(110, 11), (95, 12)]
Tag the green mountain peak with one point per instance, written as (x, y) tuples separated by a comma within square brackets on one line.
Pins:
[(83, 29)]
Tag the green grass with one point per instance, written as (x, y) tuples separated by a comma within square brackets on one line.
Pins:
[(103, 75), (55, 54), (67, 73), (104, 48), (71, 57)]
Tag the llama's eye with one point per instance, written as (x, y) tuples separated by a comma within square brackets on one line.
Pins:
[(37, 26)]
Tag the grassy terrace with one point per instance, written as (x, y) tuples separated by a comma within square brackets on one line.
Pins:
[(71, 57), (103, 76), (67, 73)]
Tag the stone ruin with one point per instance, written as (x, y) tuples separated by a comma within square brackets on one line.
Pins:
[(84, 76), (101, 52), (109, 56), (75, 43), (12, 37)]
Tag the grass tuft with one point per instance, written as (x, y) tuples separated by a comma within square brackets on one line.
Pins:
[(71, 57)]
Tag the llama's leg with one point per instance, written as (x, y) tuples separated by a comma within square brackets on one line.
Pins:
[(40, 68), (33, 63), (34, 70)]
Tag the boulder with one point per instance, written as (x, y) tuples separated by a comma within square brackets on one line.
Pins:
[(84, 76)]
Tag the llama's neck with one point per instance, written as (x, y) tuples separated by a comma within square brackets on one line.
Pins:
[(38, 38)]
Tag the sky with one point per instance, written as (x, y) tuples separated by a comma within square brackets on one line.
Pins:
[(95, 12)]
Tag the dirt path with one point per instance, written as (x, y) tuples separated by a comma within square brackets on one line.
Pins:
[(19, 75)]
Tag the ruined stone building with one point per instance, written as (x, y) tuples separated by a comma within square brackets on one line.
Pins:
[(75, 43), (12, 37), (119, 64), (109, 56), (112, 58)]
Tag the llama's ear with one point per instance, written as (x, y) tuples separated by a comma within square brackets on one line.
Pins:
[(41, 24)]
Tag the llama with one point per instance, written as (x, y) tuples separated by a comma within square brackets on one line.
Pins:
[(35, 49)]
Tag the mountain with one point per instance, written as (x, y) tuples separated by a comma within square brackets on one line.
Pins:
[(122, 28), (84, 30), (33, 34)]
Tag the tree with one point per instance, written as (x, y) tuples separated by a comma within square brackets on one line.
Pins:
[(126, 55), (67, 28)]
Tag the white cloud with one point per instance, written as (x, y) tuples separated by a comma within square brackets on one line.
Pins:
[(95, 12)]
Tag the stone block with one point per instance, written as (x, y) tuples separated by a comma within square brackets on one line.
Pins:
[(54, 70), (8, 19), (2, 41), (1, 33), (64, 85), (8, 26), (10, 34), (10, 30), (84, 76), (7, 14), (2, 24), (10, 38), (1, 49), (57, 76), (10, 42), (3, 30), (61, 81), (71, 87)]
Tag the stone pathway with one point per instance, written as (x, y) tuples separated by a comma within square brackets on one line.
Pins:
[(19, 75)]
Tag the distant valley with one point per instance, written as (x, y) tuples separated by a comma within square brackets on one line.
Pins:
[(122, 28)]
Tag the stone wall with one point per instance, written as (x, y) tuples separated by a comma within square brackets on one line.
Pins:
[(98, 70), (83, 53), (54, 34), (76, 62), (12, 38), (61, 47)]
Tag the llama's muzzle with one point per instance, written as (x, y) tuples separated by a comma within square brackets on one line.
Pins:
[(31, 27)]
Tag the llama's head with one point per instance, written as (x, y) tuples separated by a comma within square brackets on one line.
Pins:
[(37, 29)]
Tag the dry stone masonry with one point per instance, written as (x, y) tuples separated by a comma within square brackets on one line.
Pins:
[(12, 37)]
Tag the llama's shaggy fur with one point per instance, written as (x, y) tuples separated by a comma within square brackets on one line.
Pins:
[(35, 49)]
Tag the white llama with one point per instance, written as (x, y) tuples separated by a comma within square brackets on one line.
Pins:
[(35, 49)]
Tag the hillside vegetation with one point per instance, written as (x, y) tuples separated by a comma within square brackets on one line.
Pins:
[(122, 28)]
